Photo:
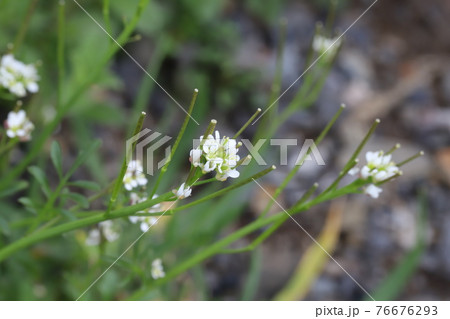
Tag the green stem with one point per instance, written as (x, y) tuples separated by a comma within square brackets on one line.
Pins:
[(297, 166), (177, 142), (250, 120), (106, 17), (8, 146), (226, 189), (123, 169), (24, 25), (362, 144), (48, 129), (66, 227), (60, 52), (421, 153), (341, 175)]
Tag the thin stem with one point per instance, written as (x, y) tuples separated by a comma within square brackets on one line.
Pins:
[(177, 142), (123, 169), (226, 189), (362, 144), (390, 178), (206, 181), (220, 245), (341, 176), (393, 149), (106, 17), (258, 240), (421, 153), (307, 194), (294, 171), (9, 145), (66, 227), (250, 120), (78, 92), (60, 51), (24, 25)]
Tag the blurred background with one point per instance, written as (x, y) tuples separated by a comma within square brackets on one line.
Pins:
[(393, 65)]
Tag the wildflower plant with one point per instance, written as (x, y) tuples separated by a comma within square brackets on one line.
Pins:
[(215, 171)]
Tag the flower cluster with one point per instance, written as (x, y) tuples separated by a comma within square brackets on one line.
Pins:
[(216, 154), (157, 269), (146, 221), (322, 44), (134, 176), (107, 229), (183, 191), (18, 77), (379, 168), (18, 125)]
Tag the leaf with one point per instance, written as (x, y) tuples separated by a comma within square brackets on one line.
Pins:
[(40, 177), (55, 154), (314, 259), (254, 275), (68, 214), (78, 198), (17, 187), (86, 184), (28, 204)]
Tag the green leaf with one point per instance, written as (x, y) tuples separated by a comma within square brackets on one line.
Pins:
[(28, 204), (78, 198), (40, 177), (254, 275), (68, 214), (17, 187), (55, 154), (86, 184)]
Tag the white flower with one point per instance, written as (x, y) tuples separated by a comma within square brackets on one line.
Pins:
[(18, 77), (353, 171), (93, 238), (18, 125), (373, 191), (146, 221), (379, 167), (216, 154), (106, 228), (183, 191), (322, 44), (157, 269), (134, 176)]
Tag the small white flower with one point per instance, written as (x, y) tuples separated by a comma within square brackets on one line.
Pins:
[(322, 44), (134, 176), (216, 154), (146, 221), (93, 238), (373, 191), (157, 269), (353, 171), (18, 77), (379, 167), (106, 228), (18, 125), (183, 191)]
